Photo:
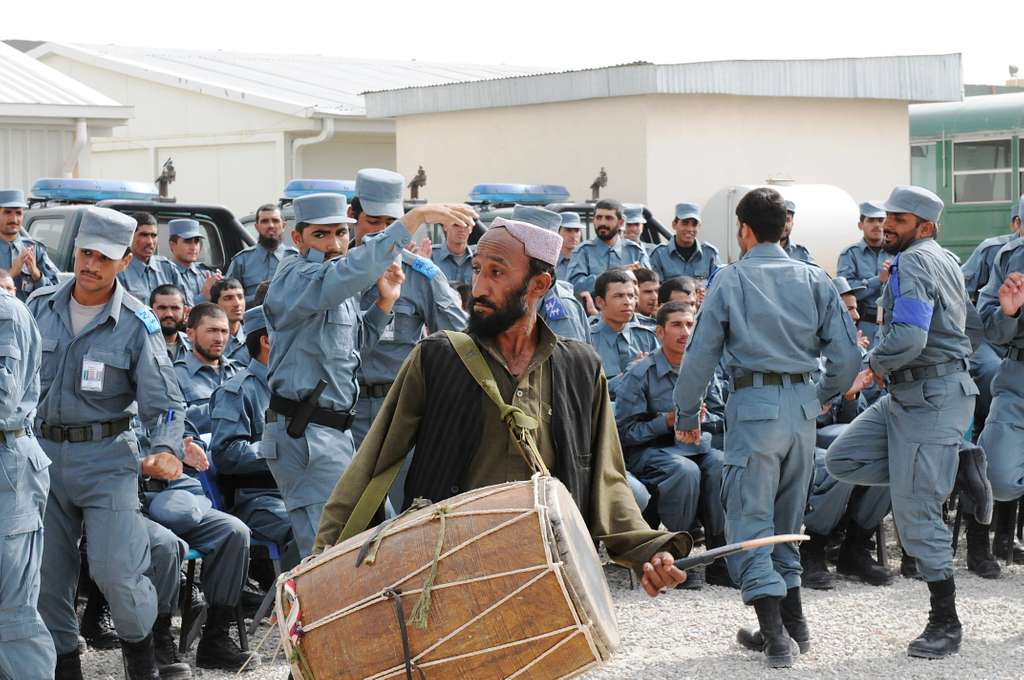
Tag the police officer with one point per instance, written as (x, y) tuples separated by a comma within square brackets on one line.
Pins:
[(685, 255), (608, 251), (186, 243), (866, 265), (313, 319), (455, 255), (909, 438), (258, 263), (104, 361), (978, 268), (1002, 439), (688, 476), (205, 368), (560, 308), (571, 231), (427, 303), (771, 320), (24, 258), (168, 304), (237, 411), (633, 215), (794, 250), (617, 336), (147, 270), (26, 650), (229, 295)]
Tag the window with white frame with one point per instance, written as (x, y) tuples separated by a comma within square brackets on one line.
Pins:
[(982, 171)]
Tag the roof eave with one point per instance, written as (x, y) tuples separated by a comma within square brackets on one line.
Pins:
[(108, 115)]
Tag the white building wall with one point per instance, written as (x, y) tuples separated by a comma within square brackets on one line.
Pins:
[(345, 155), (28, 152)]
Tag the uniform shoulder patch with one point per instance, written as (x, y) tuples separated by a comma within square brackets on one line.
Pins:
[(148, 319), (709, 246), (425, 267), (45, 291), (554, 310)]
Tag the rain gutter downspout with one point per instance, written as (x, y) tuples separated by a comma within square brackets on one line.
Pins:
[(326, 133)]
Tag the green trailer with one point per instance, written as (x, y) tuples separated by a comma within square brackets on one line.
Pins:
[(970, 153)]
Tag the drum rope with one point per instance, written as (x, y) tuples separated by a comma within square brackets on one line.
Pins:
[(293, 626), (368, 551), (395, 594), (545, 653), (421, 611)]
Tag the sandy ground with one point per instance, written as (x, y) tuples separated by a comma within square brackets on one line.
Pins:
[(859, 631)]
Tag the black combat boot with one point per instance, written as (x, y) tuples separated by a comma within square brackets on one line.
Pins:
[(69, 666), (168, 662), (97, 627), (717, 573), (941, 637), (139, 659), (979, 553), (908, 566), (1003, 542), (812, 558), (792, 611), (972, 480), (855, 558), (216, 647), (778, 648)]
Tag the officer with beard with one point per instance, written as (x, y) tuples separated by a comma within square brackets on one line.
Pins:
[(168, 303), (461, 441), (608, 251), (258, 263), (206, 367)]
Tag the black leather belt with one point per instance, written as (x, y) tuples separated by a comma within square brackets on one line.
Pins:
[(77, 434), (374, 391), (339, 420), (924, 372), (1015, 353), (749, 380)]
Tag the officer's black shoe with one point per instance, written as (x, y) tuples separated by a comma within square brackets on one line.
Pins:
[(168, 662), (97, 627), (139, 659), (216, 647), (942, 635), (908, 566), (793, 620), (972, 479), (812, 557), (69, 666), (855, 558), (980, 559), (779, 650), (1003, 541)]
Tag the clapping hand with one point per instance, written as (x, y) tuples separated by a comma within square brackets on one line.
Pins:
[(1011, 294)]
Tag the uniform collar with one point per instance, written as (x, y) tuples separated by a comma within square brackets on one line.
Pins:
[(194, 268), (445, 253), (662, 366), (259, 370), (62, 300), (314, 255), (194, 365), (865, 247), (769, 250), (154, 260), (677, 248)]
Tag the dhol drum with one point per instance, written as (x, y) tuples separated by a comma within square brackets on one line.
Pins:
[(514, 590)]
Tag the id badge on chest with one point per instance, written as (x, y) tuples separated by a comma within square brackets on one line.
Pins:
[(92, 376), (388, 334)]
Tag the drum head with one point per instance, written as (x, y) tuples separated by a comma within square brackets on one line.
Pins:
[(582, 567)]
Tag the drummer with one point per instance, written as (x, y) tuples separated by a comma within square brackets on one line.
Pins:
[(461, 442)]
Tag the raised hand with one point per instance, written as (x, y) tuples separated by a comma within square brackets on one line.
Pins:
[(1011, 294)]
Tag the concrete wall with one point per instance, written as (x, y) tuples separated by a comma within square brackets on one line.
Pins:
[(29, 151), (345, 155)]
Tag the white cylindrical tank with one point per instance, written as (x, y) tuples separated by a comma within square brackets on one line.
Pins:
[(825, 221)]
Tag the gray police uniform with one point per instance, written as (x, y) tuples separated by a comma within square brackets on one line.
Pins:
[(427, 304), (166, 554), (798, 252), (618, 349), (688, 476), (9, 251), (457, 268), (198, 381), (669, 262), (314, 322), (236, 350), (237, 411), (1003, 435), (140, 278), (564, 314), (771, 318), (26, 650), (594, 257), (93, 384), (860, 264), (254, 265), (182, 348), (192, 279), (562, 268), (909, 438)]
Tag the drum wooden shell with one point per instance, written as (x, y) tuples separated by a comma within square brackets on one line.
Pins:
[(519, 593)]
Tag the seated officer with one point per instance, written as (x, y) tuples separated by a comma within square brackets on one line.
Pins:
[(237, 411), (648, 284), (794, 250), (688, 476), (168, 303), (205, 367), (678, 289), (608, 251), (23, 257), (229, 295), (618, 338), (186, 244), (182, 506), (147, 270), (685, 255)]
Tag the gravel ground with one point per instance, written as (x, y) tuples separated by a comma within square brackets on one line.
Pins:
[(858, 631)]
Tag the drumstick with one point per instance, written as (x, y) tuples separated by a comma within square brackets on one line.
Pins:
[(709, 556)]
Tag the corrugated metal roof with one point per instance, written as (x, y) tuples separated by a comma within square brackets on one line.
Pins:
[(296, 84), (31, 89), (928, 78), (987, 113)]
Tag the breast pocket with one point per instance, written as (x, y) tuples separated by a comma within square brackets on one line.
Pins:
[(115, 372), (339, 331), (50, 358), (407, 324)]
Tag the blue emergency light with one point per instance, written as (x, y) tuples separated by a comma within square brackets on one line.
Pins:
[(93, 190), (535, 194), (302, 187)]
